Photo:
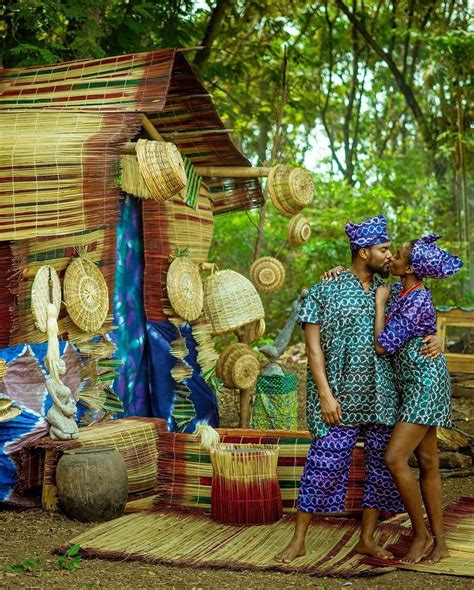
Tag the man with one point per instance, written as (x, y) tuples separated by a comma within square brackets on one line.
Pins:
[(347, 392)]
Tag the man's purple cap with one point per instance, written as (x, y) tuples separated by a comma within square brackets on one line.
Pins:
[(428, 260), (368, 233)]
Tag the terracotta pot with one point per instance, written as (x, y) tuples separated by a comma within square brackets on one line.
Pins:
[(92, 484)]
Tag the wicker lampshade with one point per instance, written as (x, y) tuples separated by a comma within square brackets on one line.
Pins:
[(230, 301), (162, 168), (299, 230), (267, 274), (86, 295), (290, 189), (46, 289), (184, 288)]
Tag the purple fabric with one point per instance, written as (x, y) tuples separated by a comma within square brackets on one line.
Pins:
[(410, 316), (368, 233), (326, 471), (428, 260)]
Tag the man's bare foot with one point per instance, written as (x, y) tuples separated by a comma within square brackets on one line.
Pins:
[(371, 548), (418, 548), (292, 551), (439, 551)]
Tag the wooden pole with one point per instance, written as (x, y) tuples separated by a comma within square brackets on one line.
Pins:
[(151, 129), (245, 401), (235, 171)]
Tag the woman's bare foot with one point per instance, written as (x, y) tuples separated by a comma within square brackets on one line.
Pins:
[(439, 551), (371, 548), (295, 549), (418, 548)]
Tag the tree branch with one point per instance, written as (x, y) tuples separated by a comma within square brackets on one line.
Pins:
[(212, 29)]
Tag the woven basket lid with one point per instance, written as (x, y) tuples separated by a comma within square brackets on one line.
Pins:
[(290, 189), (245, 371), (7, 410), (267, 274), (86, 295), (46, 289), (230, 301), (299, 230), (162, 168), (224, 355), (184, 288)]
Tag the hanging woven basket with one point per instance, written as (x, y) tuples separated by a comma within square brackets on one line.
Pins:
[(267, 274), (162, 168), (290, 189), (46, 289), (230, 301), (253, 331), (240, 368), (299, 230), (221, 361), (184, 288), (86, 295)]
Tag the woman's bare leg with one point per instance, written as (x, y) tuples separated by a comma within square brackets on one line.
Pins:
[(405, 439), (431, 490)]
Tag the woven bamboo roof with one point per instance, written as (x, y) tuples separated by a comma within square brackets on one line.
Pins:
[(161, 84)]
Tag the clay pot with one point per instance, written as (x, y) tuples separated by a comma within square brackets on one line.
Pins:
[(92, 484)]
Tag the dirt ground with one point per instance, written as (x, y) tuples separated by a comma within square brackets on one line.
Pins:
[(33, 533)]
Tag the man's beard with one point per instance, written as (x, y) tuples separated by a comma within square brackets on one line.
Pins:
[(382, 271)]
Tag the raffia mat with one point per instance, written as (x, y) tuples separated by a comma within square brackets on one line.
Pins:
[(190, 538)]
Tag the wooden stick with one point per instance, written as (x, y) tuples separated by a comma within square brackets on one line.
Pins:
[(245, 401), (172, 134), (229, 171), (150, 129)]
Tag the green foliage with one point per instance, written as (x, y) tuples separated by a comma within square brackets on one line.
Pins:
[(71, 559), (27, 565)]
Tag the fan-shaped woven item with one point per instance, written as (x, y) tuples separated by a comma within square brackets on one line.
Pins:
[(230, 301), (299, 230), (162, 168), (267, 274), (86, 295), (46, 289), (184, 287), (290, 189)]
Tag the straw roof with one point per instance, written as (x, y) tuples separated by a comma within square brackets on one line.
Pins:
[(158, 83)]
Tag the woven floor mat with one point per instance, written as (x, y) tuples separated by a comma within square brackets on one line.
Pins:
[(459, 527), (190, 538)]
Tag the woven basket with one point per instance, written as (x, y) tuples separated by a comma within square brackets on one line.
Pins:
[(221, 361), (7, 410), (3, 368), (299, 230), (46, 289), (267, 274), (253, 331), (162, 168), (240, 368), (290, 189), (86, 295), (184, 288), (230, 301)]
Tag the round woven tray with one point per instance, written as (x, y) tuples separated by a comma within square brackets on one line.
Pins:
[(290, 189), (184, 288), (46, 289), (299, 230), (162, 168), (230, 301), (86, 295), (267, 274)]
